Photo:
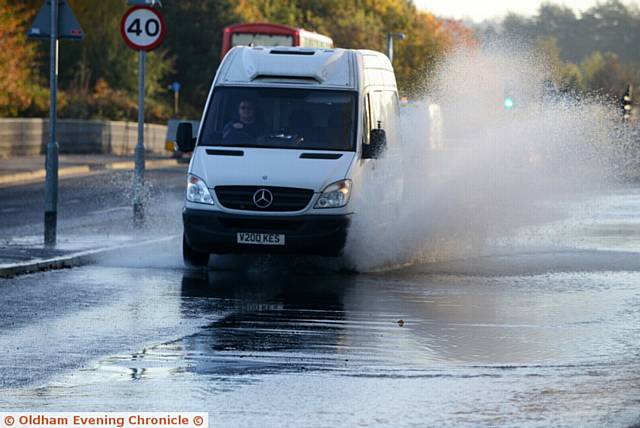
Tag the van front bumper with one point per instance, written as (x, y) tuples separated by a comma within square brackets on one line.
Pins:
[(217, 232)]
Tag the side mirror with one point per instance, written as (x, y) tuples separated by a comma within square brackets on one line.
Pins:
[(377, 144), (184, 137)]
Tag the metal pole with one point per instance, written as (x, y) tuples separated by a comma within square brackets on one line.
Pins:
[(389, 46), (175, 103), (138, 179), (51, 162)]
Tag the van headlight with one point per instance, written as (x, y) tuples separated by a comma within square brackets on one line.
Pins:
[(197, 191), (335, 195)]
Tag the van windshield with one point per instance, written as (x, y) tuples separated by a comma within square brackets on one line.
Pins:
[(281, 118)]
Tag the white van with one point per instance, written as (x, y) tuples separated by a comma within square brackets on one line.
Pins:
[(287, 136)]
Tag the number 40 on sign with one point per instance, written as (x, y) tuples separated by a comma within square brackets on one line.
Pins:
[(142, 28)]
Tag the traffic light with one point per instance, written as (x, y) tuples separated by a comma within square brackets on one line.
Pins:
[(508, 99), (626, 104), (509, 103)]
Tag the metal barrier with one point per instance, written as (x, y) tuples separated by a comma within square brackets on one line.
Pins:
[(24, 137)]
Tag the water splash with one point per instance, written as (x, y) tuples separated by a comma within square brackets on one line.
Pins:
[(498, 169)]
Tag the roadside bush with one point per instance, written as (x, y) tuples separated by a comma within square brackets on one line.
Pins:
[(105, 102)]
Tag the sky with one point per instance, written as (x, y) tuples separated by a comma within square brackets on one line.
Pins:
[(478, 10)]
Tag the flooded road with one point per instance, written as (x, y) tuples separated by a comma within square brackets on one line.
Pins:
[(545, 333)]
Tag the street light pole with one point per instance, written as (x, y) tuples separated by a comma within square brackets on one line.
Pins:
[(51, 162), (390, 37)]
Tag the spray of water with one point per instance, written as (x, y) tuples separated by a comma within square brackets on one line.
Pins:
[(496, 169)]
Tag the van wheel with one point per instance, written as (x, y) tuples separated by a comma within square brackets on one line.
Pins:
[(191, 257)]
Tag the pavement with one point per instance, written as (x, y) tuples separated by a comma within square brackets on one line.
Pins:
[(30, 169), (18, 259), (26, 254)]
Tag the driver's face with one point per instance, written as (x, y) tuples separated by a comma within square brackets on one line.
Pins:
[(246, 111)]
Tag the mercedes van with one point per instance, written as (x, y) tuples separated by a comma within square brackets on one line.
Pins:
[(286, 139)]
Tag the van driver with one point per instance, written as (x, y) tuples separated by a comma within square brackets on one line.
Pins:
[(245, 124)]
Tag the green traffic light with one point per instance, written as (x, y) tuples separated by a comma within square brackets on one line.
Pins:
[(508, 103)]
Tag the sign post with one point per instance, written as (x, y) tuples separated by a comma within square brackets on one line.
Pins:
[(54, 21), (175, 87), (142, 29), (51, 159)]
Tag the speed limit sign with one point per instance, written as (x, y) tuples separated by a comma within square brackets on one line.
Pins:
[(142, 28)]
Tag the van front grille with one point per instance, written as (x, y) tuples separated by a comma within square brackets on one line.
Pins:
[(283, 198), (260, 224)]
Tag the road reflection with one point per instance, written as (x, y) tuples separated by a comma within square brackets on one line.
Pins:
[(270, 322), (396, 321)]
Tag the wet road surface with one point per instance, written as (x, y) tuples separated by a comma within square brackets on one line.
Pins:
[(97, 202), (544, 335)]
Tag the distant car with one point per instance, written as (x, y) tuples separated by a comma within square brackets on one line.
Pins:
[(170, 140)]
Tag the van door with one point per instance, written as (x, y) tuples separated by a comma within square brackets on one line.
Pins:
[(381, 110), (380, 184), (367, 120)]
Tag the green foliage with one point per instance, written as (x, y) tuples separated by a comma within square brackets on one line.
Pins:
[(607, 27), (596, 52), (103, 61), (98, 76), (351, 24), (570, 77), (88, 69), (602, 72), (194, 37), (417, 56)]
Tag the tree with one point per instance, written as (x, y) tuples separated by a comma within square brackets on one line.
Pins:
[(98, 65), (419, 54), (607, 27), (518, 29), (20, 89), (566, 76), (560, 23), (603, 74), (102, 67), (103, 57), (612, 27), (280, 11), (196, 46)]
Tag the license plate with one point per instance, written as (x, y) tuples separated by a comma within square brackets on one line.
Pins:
[(260, 238)]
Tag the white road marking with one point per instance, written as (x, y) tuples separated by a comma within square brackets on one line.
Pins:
[(109, 210)]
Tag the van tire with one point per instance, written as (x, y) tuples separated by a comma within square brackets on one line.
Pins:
[(193, 258)]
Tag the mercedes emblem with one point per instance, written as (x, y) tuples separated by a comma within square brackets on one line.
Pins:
[(263, 198)]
